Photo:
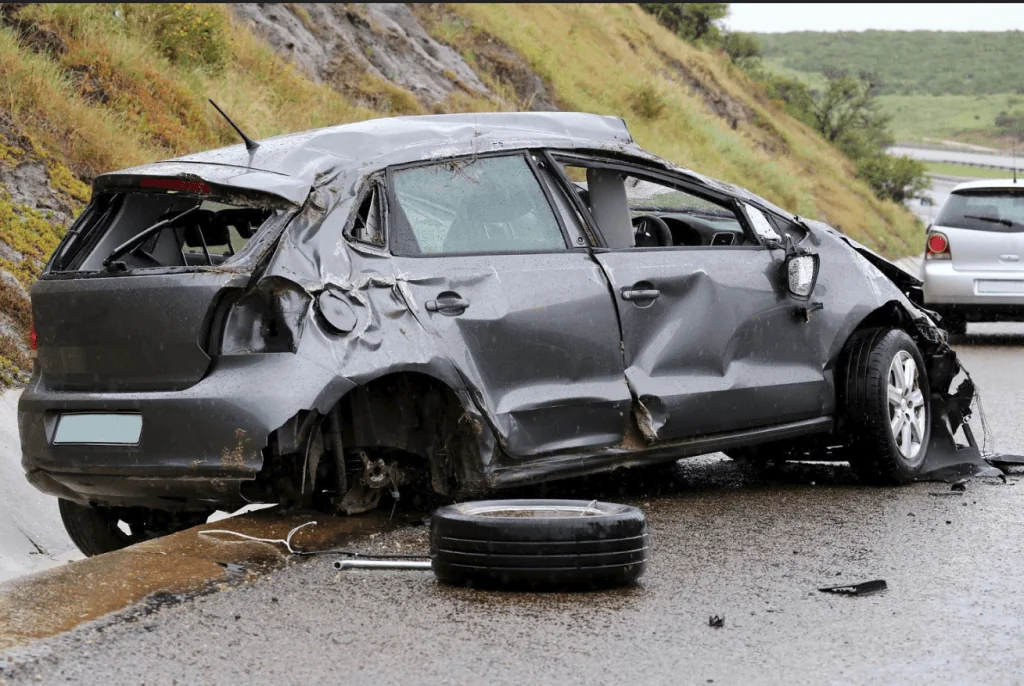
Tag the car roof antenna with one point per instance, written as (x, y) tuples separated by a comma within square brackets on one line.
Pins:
[(250, 144), (1015, 161)]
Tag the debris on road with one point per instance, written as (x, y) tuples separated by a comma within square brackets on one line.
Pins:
[(716, 622), (382, 564), (865, 588)]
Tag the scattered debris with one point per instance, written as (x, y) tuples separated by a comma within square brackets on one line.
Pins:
[(716, 622), (959, 486), (382, 564), (1003, 461), (864, 588)]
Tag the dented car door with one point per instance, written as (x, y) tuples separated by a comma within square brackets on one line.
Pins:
[(712, 341), (528, 322)]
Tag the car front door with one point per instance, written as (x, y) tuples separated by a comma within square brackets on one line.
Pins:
[(712, 340), (528, 321)]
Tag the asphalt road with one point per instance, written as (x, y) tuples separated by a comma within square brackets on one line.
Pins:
[(752, 545)]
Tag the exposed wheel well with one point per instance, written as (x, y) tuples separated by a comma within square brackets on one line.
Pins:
[(416, 415)]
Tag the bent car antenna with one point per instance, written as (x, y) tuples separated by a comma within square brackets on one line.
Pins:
[(250, 144)]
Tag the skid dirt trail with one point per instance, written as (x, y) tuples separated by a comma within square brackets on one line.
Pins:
[(750, 545)]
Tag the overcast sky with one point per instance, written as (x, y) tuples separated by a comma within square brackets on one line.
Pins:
[(776, 17)]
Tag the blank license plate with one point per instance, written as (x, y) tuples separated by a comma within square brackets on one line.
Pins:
[(115, 429), (1004, 287)]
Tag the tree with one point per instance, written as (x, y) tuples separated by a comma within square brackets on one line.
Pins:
[(846, 113), (743, 49), (891, 177), (696, 22)]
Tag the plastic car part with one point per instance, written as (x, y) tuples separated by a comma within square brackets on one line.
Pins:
[(538, 543)]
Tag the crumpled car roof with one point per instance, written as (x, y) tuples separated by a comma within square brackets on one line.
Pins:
[(336, 157), (317, 156)]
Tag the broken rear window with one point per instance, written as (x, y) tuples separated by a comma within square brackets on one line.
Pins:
[(127, 231), (493, 204)]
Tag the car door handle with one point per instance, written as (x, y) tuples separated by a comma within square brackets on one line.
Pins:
[(1010, 258), (634, 294), (448, 305)]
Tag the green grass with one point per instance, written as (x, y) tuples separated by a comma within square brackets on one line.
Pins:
[(908, 62), (964, 170), (964, 118)]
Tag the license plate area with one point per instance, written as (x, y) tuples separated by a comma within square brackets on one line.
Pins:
[(94, 428), (1000, 287)]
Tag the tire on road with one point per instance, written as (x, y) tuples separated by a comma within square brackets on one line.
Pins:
[(93, 529), (880, 450), (538, 544)]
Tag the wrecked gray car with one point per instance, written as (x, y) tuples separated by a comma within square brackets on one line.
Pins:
[(451, 305)]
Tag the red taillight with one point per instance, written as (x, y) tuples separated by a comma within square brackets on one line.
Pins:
[(937, 246), (33, 340), (197, 187)]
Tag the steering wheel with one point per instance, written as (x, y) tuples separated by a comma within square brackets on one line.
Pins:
[(651, 231)]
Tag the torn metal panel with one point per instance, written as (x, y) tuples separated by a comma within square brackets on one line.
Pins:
[(719, 349), (539, 342)]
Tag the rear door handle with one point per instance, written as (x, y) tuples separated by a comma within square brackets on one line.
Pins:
[(634, 294), (449, 305), (1010, 258)]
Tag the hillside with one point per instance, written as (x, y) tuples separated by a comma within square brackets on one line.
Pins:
[(95, 88), (936, 85), (907, 62)]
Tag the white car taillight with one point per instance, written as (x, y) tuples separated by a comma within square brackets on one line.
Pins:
[(937, 247)]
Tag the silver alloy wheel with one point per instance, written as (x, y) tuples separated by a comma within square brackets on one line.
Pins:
[(907, 411)]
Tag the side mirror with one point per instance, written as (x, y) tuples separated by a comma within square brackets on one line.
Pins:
[(802, 273)]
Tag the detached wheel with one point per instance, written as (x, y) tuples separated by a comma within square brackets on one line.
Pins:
[(887, 407), (538, 544)]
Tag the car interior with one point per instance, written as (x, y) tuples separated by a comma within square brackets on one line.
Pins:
[(634, 212)]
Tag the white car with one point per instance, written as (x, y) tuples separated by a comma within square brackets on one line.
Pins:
[(973, 269)]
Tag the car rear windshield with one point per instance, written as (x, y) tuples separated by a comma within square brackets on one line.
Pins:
[(173, 231), (984, 210)]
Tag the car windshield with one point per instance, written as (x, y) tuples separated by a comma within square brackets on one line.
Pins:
[(984, 210)]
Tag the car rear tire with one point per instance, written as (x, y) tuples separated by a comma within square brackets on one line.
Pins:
[(95, 529), (538, 544), (887, 411)]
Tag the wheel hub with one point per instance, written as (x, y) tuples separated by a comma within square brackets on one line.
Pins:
[(907, 411)]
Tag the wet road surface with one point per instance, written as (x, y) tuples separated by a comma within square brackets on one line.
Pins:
[(752, 544)]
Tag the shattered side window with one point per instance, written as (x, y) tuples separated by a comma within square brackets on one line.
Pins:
[(493, 204), (367, 227)]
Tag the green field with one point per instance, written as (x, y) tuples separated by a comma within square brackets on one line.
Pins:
[(937, 86), (965, 118), (946, 169), (908, 62)]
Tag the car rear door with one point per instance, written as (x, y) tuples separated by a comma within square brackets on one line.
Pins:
[(528, 321), (711, 340)]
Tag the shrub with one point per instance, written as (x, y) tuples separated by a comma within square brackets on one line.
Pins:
[(891, 177), (189, 33), (646, 101)]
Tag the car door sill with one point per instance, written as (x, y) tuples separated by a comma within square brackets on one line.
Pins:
[(539, 469)]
